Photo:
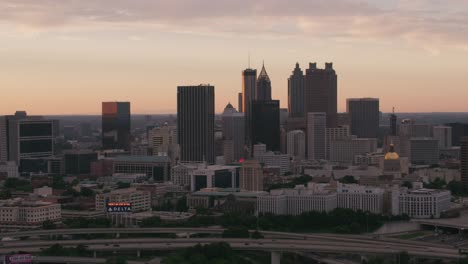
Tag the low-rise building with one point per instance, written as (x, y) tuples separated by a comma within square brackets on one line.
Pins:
[(139, 200), (360, 197), (22, 212), (420, 203), (314, 197)]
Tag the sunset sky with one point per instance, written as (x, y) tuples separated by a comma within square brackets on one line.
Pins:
[(67, 56)]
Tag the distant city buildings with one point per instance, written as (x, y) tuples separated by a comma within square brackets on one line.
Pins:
[(116, 125), (296, 144), (214, 176), (444, 135), (251, 176), (195, 123), (266, 123), (424, 151)]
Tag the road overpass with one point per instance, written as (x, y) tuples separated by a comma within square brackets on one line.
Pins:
[(322, 244)]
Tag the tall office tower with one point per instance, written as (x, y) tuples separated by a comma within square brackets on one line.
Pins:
[(393, 123), (3, 139), (320, 92), (364, 115), (116, 125), (251, 176), (316, 136), (296, 144), (464, 161), (424, 151), (195, 123), (263, 92), (296, 93), (444, 135), (234, 131), (239, 103), (249, 84), (459, 130), (336, 133), (27, 140), (266, 124)]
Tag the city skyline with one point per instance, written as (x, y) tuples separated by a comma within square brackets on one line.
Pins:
[(67, 57)]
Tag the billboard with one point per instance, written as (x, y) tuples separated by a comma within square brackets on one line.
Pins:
[(19, 258), (119, 207)]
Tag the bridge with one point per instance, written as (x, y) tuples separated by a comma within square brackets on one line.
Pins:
[(274, 242)]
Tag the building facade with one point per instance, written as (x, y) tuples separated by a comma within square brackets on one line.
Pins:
[(296, 144), (344, 150), (195, 123), (251, 176), (155, 167), (464, 160), (444, 135), (420, 203), (296, 93), (320, 92), (266, 124), (424, 151), (19, 212), (360, 197), (116, 125), (233, 131), (139, 200), (316, 136), (364, 115)]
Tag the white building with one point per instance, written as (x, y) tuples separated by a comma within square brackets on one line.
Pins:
[(420, 203), (296, 144), (163, 141), (360, 197), (19, 212), (444, 135), (9, 168), (316, 136), (140, 200), (314, 197), (344, 150)]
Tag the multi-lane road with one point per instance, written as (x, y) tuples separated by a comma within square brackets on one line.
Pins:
[(273, 242)]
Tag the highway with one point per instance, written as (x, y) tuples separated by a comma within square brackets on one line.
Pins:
[(319, 245)]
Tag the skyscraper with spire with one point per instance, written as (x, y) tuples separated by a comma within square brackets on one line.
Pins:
[(263, 89)]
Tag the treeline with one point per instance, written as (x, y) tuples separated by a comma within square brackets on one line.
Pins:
[(215, 253), (338, 221)]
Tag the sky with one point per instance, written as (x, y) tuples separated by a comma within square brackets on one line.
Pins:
[(67, 56)]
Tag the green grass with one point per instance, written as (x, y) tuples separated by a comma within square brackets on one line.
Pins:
[(411, 235)]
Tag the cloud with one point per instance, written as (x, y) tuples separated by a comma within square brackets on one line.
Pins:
[(427, 23)]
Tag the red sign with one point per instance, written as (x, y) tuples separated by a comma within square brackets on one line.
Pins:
[(19, 258)]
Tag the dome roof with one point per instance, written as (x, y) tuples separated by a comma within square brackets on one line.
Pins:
[(391, 154)]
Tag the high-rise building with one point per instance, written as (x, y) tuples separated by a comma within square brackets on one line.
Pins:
[(459, 130), (116, 125), (195, 123), (364, 115), (263, 92), (266, 123), (344, 150), (296, 144), (249, 84), (336, 133), (233, 131), (464, 161), (393, 124), (316, 136), (78, 162), (251, 176), (27, 140), (239, 103), (444, 135), (424, 151), (296, 93), (320, 92), (163, 141)]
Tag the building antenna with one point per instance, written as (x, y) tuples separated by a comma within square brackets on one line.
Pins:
[(393, 110)]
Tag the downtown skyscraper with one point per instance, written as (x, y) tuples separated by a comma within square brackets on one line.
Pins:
[(320, 92), (116, 125), (249, 89), (364, 115), (195, 123), (296, 93)]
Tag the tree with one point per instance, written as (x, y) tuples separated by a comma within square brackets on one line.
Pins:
[(236, 232), (47, 224), (116, 260), (151, 222), (257, 235), (404, 257), (123, 185), (348, 179), (181, 205), (407, 184), (86, 192), (5, 194)]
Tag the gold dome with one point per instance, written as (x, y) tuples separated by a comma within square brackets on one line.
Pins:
[(391, 154)]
